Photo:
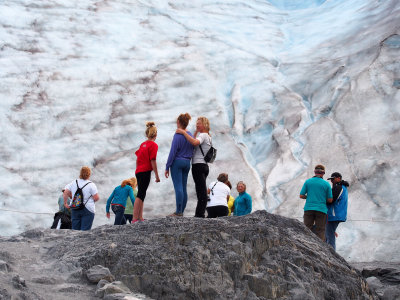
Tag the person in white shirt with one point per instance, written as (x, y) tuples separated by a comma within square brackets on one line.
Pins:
[(202, 143), (219, 196), (82, 219)]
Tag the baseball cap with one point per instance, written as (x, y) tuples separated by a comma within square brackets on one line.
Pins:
[(335, 175)]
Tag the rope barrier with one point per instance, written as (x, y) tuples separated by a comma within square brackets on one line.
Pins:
[(299, 218), (27, 212)]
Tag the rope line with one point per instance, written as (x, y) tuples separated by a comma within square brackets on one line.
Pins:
[(300, 218), (27, 212)]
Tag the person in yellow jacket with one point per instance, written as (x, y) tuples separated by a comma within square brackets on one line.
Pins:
[(231, 199)]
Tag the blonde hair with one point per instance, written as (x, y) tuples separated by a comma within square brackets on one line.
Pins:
[(85, 173), (205, 122), (133, 182), (126, 182), (184, 120), (151, 130)]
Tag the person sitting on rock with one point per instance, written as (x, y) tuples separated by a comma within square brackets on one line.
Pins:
[(243, 202), (219, 196), (117, 201), (63, 215)]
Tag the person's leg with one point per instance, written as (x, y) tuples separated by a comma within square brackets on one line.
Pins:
[(76, 216), (211, 213), (128, 218), (330, 233), (308, 219), (87, 219), (200, 173), (320, 224), (143, 180), (119, 214), (176, 175), (185, 173)]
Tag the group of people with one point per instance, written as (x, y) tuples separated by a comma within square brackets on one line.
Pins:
[(326, 205), (187, 152)]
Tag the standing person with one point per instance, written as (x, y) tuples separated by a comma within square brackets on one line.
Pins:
[(219, 196), (117, 201), (243, 202), (317, 193), (179, 162), (337, 210), (202, 143), (145, 163), (63, 215), (128, 213), (82, 219)]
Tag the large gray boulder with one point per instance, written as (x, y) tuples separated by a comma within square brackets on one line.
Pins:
[(259, 256)]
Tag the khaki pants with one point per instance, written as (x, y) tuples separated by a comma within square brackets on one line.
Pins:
[(316, 221)]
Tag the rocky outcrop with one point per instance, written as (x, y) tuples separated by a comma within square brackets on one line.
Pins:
[(259, 256)]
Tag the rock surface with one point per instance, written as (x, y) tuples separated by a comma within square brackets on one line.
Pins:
[(259, 256)]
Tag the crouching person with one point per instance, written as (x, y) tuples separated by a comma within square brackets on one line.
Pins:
[(117, 201)]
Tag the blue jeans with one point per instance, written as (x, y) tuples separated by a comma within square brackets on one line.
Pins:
[(82, 219), (119, 214), (179, 172), (330, 233)]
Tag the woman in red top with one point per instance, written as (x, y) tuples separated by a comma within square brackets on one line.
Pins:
[(145, 163)]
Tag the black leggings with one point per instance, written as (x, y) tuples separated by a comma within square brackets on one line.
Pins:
[(200, 173), (217, 211), (143, 181)]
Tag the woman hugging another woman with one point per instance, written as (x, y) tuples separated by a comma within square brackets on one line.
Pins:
[(200, 170)]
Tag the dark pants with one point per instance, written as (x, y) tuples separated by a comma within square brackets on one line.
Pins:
[(330, 233), (317, 218), (217, 211), (143, 181), (119, 210), (82, 219), (65, 221), (200, 173), (128, 218)]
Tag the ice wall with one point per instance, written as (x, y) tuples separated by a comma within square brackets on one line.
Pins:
[(285, 84)]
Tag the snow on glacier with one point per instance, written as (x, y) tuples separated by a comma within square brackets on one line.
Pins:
[(285, 84)]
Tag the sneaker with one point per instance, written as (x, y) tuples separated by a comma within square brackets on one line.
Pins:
[(134, 221)]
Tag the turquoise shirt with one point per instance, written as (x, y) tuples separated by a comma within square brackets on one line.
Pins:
[(119, 196), (317, 191), (242, 204)]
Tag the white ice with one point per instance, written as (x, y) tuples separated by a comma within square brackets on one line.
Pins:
[(285, 84)]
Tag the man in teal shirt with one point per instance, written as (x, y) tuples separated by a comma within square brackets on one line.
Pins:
[(317, 193)]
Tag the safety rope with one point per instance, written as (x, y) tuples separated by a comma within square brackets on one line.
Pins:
[(27, 212)]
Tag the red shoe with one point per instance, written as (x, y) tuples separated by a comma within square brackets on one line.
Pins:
[(134, 221)]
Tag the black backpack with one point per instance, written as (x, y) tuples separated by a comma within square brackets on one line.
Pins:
[(210, 155), (77, 201)]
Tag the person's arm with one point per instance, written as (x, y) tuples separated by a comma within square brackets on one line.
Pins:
[(337, 188), (303, 196), (329, 197), (108, 203), (248, 204), (303, 192), (67, 194), (172, 154), (189, 138), (329, 200), (154, 166)]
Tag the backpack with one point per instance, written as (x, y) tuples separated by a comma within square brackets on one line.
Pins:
[(210, 155), (77, 201)]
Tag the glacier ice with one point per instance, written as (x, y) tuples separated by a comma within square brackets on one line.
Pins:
[(285, 84)]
